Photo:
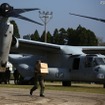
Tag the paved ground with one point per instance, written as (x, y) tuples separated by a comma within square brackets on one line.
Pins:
[(9, 96)]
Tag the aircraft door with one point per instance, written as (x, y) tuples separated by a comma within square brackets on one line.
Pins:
[(75, 72), (76, 63)]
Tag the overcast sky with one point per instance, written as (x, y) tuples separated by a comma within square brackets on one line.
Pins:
[(61, 17)]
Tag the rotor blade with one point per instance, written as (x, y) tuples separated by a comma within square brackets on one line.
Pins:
[(25, 18), (93, 18), (19, 11)]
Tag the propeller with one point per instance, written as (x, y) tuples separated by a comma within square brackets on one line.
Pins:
[(8, 11), (93, 18)]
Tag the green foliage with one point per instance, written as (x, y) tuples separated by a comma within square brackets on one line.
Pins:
[(56, 37), (59, 36), (35, 36), (72, 39), (27, 37), (43, 37), (76, 37), (81, 37), (16, 30), (77, 87), (49, 37)]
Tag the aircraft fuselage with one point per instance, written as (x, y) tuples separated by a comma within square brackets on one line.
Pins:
[(84, 68)]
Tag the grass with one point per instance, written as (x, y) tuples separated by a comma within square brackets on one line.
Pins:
[(89, 88)]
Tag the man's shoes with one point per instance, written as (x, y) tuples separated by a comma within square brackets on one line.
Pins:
[(41, 95), (31, 92)]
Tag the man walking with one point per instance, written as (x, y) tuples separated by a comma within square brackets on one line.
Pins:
[(7, 75), (38, 78)]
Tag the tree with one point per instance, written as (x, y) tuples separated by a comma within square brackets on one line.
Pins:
[(62, 30), (63, 36), (43, 37), (100, 41), (35, 36), (82, 37), (56, 37), (72, 39), (16, 30), (27, 37), (92, 39), (49, 37)]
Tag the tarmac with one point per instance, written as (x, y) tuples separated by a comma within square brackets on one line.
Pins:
[(17, 96)]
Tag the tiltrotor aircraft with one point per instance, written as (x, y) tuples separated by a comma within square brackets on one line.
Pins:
[(6, 29), (66, 63)]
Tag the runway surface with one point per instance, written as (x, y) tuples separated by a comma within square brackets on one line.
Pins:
[(16, 96)]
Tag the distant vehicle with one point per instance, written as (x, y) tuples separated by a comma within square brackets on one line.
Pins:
[(66, 63)]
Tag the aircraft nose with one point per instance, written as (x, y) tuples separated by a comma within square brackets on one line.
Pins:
[(101, 72)]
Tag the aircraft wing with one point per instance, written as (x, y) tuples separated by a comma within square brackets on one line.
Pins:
[(35, 47), (32, 47)]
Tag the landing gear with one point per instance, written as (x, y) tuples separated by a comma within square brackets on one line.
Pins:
[(3, 64), (104, 86), (66, 83)]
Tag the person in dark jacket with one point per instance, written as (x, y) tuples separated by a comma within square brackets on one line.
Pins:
[(38, 78), (7, 75), (16, 76)]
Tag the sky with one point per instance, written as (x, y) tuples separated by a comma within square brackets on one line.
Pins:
[(61, 17)]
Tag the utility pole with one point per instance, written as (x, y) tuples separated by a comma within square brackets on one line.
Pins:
[(45, 17)]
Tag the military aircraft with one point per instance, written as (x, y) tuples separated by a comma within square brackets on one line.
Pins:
[(66, 63)]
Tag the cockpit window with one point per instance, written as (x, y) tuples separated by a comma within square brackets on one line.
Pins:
[(99, 61), (88, 62), (94, 61)]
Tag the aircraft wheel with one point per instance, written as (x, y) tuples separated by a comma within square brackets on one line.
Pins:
[(104, 86), (3, 64), (66, 83)]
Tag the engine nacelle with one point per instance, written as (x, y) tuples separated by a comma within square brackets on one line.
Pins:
[(26, 71), (15, 42)]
